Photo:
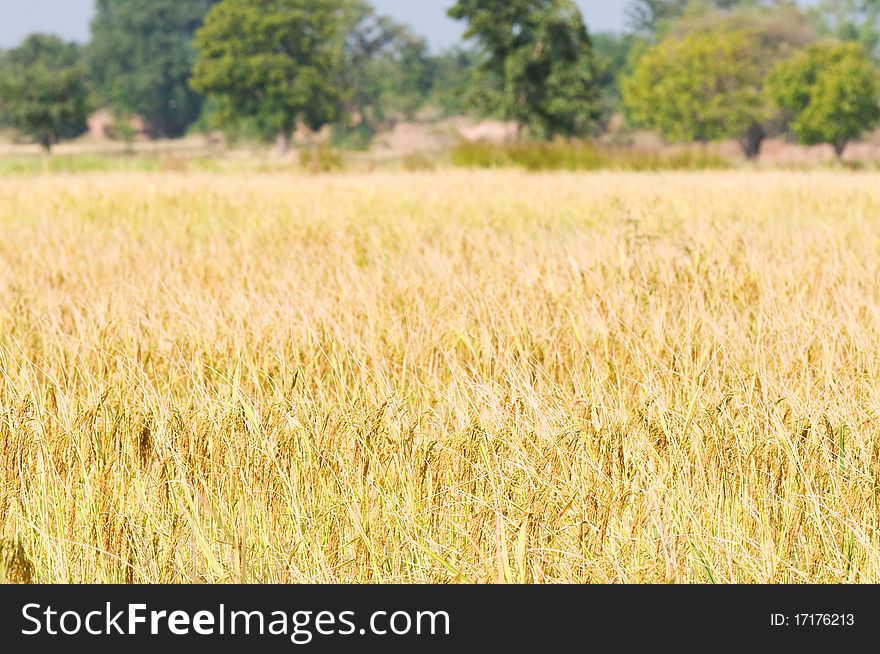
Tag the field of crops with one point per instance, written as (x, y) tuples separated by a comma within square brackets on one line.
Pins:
[(487, 376)]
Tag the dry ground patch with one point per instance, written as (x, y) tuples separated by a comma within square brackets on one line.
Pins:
[(440, 377)]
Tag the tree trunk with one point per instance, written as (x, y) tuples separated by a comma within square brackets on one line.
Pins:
[(47, 140), (752, 140), (156, 129), (839, 148), (282, 143)]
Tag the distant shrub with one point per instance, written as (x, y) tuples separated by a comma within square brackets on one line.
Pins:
[(579, 155), (321, 159), (481, 154)]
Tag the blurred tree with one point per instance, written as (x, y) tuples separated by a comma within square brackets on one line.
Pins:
[(453, 72), (410, 75), (275, 63), (830, 94), (649, 18), (705, 80), (700, 88), (43, 89), (851, 20), (538, 69), (646, 17), (613, 62), (141, 59), (387, 72)]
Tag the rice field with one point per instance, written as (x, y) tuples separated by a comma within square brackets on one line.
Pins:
[(447, 377)]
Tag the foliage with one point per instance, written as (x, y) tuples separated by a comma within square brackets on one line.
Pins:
[(43, 89), (409, 75), (580, 155), (850, 20), (830, 94), (538, 69), (780, 28), (274, 62), (700, 88), (705, 80), (647, 17), (141, 59), (453, 72), (651, 18), (613, 61), (387, 73)]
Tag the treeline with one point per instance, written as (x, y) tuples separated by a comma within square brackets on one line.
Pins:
[(288, 62), (748, 69), (689, 70)]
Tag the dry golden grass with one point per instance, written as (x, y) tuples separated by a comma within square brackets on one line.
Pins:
[(440, 377)]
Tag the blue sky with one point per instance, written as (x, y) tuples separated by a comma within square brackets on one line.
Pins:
[(70, 18)]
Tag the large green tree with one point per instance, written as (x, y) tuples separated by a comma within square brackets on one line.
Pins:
[(699, 88), (830, 94), (43, 89), (705, 80), (538, 69), (141, 57), (273, 62)]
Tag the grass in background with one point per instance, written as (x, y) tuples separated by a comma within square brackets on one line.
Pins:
[(319, 159), (77, 163), (466, 376)]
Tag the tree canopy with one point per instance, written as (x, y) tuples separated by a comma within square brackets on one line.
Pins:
[(689, 70), (386, 70), (705, 80), (538, 69), (141, 58), (43, 89), (699, 88), (851, 20), (830, 94), (614, 53), (646, 17), (650, 18), (275, 62)]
